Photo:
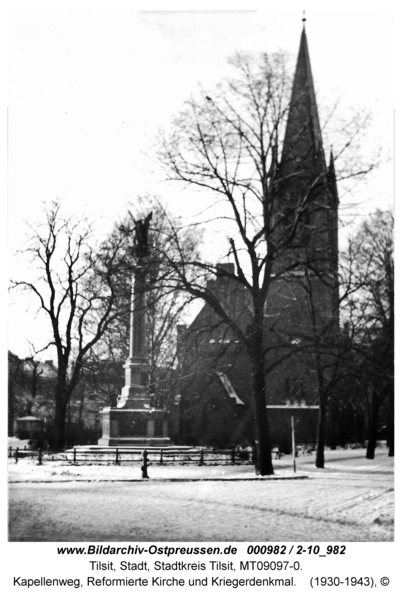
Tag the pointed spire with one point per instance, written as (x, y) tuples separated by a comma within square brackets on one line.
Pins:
[(331, 166), (331, 178), (303, 126)]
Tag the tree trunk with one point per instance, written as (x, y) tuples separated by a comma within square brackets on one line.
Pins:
[(371, 445), (263, 461), (372, 427), (322, 390), (322, 415), (60, 422), (391, 424), (61, 401), (63, 393)]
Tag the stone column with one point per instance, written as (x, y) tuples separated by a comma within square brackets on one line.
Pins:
[(135, 393), (138, 338)]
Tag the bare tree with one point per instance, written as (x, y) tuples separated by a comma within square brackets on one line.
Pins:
[(257, 150), (166, 306), (77, 288), (370, 313)]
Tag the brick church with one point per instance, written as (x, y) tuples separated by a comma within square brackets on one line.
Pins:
[(301, 310)]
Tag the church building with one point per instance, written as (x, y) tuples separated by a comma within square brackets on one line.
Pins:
[(301, 310)]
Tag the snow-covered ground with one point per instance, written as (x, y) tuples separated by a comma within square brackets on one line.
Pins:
[(352, 499)]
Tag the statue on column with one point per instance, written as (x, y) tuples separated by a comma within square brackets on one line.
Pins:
[(141, 228), (133, 420), (138, 327)]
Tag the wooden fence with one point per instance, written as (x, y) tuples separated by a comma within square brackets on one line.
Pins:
[(17, 453), (160, 456)]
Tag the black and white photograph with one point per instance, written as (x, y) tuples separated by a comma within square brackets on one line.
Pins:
[(200, 341)]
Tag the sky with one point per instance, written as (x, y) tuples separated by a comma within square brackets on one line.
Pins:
[(88, 90)]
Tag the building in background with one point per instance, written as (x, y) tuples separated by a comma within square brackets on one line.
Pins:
[(301, 312)]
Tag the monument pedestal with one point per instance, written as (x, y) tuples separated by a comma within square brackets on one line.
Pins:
[(134, 427), (134, 422)]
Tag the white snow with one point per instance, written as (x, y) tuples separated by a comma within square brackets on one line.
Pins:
[(352, 499)]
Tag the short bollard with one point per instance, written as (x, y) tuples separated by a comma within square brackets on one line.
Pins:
[(233, 455), (39, 456), (201, 457), (16, 455), (144, 468)]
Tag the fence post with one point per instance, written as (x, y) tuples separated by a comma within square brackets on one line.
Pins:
[(74, 455), (10, 453), (16, 454), (117, 456), (292, 424), (233, 456), (144, 468), (202, 457), (161, 459), (39, 456)]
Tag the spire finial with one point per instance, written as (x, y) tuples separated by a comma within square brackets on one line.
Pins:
[(304, 18)]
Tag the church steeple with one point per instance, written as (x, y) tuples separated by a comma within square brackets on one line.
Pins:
[(304, 190), (303, 133)]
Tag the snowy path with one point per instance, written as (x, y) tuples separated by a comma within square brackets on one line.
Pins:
[(351, 500)]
